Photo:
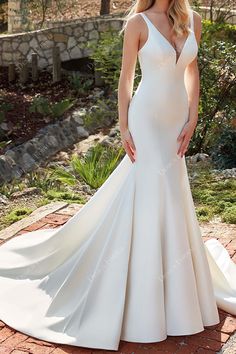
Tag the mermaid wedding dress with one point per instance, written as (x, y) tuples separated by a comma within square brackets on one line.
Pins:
[(131, 264)]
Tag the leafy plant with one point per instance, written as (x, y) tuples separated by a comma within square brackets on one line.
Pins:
[(79, 83), (40, 105), (107, 56), (59, 108), (218, 79), (43, 106), (229, 215), (4, 108), (224, 150), (41, 178), (94, 168), (103, 113)]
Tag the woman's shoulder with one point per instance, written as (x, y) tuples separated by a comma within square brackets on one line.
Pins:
[(197, 20), (134, 21), (196, 15)]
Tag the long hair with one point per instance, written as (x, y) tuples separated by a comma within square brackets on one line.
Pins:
[(177, 13)]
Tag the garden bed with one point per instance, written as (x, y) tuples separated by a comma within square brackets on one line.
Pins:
[(20, 122)]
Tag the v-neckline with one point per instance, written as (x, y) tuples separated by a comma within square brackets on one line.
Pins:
[(167, 41)]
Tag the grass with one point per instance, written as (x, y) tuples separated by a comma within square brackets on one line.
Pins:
[(212, 197)]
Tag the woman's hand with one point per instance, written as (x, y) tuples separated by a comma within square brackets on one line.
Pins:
[(128, 144), (185, 137)]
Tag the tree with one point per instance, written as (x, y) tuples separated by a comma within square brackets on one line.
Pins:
[(105, 7)]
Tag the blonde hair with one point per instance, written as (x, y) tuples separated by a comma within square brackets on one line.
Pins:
[(177, 13)]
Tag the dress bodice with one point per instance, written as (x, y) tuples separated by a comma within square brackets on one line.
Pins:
[(158, 53)]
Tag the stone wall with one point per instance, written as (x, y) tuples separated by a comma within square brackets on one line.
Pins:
[(72, 39), (47, 142)]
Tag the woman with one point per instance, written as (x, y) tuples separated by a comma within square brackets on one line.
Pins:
[(131, 264)]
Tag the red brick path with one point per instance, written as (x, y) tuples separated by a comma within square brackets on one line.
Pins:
[(210, 340)]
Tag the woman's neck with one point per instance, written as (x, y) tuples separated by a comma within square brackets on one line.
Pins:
[(160, 6)]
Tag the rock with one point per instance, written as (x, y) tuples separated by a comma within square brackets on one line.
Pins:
[(86, 189), (28, 163), (198, 157), (62, 156), (4, 126), (107, 141), (93, 108), (227, 173), (98, 93), (78, 116), (49, 141), (82, 133), (114, 132), (25, 192), (3, 199)]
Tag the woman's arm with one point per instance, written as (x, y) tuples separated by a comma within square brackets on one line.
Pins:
[(192, 83), (125, 87)]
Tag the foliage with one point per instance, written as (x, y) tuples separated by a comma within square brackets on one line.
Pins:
[(4, 107), (229, 215), (103, 113), (42, 105), (41, 178), (79, 83), (217, 78), (213, 197), (94, 168), (17, 214), (224, 151), (107, 55), (204, 213), (68, 196)]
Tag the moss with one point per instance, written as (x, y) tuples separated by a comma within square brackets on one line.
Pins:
[(229, 215), (16, 215), (65, 196)]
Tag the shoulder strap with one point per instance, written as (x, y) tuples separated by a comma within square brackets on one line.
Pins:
[(146, 19), (191, 19)]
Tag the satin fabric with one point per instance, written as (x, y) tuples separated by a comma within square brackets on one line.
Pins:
[(131, 264)]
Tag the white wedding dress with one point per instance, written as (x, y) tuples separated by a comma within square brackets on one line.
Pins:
[(131, 264)]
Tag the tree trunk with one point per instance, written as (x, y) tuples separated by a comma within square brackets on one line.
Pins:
[(15, 18), (105, 7)]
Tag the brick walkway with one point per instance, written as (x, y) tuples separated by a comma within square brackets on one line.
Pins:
[(211, 340)]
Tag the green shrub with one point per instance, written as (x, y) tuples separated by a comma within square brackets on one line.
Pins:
[(223, 152), (94, 168), (229, 215), (45, 108), (107, 55), (80, 83), (204, 213), (102, 114), (217, 92)]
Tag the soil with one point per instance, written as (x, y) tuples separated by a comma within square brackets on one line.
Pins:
[(23, 124)]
